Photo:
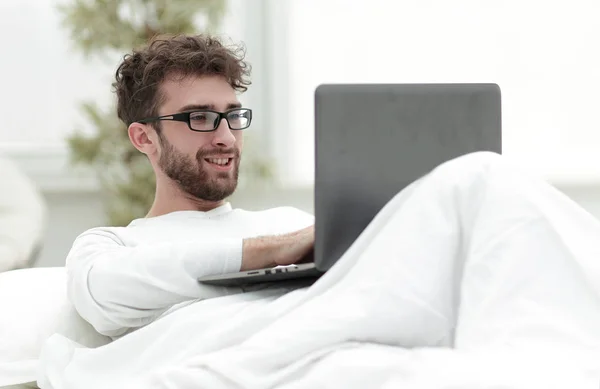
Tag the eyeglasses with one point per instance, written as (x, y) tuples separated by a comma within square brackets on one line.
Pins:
[(206, 120)]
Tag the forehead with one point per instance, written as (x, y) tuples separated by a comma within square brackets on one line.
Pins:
[(207, 90)]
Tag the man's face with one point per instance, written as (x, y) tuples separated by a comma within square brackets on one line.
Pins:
[(194, 160)]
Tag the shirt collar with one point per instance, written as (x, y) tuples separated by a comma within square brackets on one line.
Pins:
[(220, 210)]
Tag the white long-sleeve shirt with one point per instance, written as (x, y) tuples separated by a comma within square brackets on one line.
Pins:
[(122, 278)]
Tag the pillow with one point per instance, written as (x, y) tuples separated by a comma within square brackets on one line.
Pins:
[(34, 306), (22, 217)]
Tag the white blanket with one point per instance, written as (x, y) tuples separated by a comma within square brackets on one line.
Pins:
[(475, 277)]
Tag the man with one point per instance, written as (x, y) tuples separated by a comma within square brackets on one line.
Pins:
[(474, 256), (178, 98)]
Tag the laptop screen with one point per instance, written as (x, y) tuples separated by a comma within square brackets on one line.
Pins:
[(372, 140)]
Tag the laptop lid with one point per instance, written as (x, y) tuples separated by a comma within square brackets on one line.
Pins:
[(372, 140)]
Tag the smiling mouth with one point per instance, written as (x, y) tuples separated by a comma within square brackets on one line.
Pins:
[(222, 162)]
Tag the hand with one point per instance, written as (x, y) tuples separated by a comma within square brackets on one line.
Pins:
[(301, 243), (258, 253)]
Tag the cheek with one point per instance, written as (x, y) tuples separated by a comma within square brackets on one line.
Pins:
[(189, 143), (239, 140)]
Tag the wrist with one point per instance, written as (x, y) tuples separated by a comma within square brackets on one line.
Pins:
[(258, 253)]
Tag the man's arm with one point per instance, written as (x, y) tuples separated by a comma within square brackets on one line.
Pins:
[(116, 288)]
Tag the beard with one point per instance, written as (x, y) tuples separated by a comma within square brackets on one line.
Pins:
[(194, 178)]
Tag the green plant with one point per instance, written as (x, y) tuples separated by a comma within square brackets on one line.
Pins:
[(99, 27)]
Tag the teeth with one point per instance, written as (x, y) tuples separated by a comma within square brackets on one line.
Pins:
[(219, 161)]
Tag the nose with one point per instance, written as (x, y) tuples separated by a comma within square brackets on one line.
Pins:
[(222, 136)]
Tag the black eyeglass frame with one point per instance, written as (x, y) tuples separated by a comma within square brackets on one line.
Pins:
[(185, 117)]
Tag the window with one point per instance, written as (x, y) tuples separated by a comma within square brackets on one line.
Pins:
[(43, 77), (542, 54)]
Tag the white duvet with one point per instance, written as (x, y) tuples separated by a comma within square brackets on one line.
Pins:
[(475, 277)]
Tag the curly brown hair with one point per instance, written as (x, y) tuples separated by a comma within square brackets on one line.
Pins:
[(141, 73)]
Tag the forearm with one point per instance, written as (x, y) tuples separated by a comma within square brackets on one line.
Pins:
[(116, 288), (258, 253)]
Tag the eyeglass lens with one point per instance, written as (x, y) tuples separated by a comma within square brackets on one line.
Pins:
[(206, 121)]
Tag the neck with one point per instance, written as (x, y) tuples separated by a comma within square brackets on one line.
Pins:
[(170, 198)]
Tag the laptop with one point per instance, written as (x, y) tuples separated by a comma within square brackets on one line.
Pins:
[(372, 141)]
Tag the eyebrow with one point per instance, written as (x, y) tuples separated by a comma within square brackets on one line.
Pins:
[(193, 107)]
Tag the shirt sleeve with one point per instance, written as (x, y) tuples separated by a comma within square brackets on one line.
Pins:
[(118, 288)]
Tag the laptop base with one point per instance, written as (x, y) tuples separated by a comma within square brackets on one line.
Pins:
[(291, 272)]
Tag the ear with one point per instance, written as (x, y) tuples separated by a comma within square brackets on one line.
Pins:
[(143, 137)]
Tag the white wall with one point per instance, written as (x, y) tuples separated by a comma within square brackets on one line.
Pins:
[(69, 214), (587, 196)]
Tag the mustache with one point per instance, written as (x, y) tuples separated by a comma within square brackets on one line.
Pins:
[(203, 153)]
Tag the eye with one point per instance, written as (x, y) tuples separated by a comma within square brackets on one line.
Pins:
[(198, 117), (237, 115)]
